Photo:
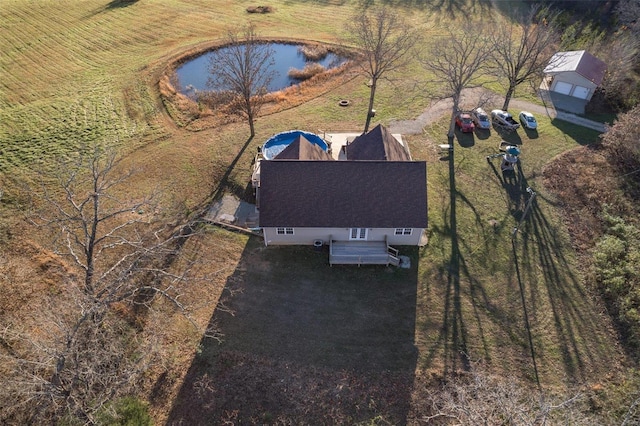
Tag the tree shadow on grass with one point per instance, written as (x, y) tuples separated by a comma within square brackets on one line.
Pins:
[(546, 280), (482, 312), (465, 332), (306, 343), (539, 289), (451, 8), (452, 335), (114, 4), (548, 274)]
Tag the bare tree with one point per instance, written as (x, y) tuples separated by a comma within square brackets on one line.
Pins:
[(385, 40), (244, 68), (522, 49), (478, 398), (124, 256), (628, 14), (112, 237), (457, 62), (621, 139), (76, 369)]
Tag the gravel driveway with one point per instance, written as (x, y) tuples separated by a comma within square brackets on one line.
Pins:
[(480, 96)]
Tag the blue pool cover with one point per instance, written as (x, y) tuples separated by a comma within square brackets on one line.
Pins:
[(275, 144)]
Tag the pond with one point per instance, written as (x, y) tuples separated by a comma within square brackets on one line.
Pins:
[(193, 74)]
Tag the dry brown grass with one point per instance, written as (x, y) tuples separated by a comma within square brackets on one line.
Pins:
[(313, 52), (593, 184), (307, 72)]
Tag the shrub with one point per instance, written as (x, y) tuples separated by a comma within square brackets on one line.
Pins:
[(259, 9), (309, 71), (622, 140), (616, 256), (127, 411), (313, 52)]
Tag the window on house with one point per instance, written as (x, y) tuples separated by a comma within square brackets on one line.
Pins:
[(358, 234), (403, 231), (284, 231)]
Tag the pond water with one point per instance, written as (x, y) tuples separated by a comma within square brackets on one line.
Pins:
[(193, 75)]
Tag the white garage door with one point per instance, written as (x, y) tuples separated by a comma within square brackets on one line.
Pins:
[(562, 87), (581, 92)]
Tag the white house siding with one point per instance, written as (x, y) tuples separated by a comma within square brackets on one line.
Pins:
[(307, 236)]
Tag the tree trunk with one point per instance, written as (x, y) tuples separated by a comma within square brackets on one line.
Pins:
[(252, 128), (507, 98), (91, 244), (372, 95), (454, 112)]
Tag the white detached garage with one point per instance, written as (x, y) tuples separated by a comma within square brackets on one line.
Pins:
[(575, 73)]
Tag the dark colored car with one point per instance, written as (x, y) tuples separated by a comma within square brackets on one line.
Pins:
[(464, 122), (481, 119)]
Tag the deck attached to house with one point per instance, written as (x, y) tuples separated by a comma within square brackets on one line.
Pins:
[(362, 253)]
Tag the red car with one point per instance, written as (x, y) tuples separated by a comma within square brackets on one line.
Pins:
[(465, 123)]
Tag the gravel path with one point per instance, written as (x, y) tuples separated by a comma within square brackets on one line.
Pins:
[(478, 96)]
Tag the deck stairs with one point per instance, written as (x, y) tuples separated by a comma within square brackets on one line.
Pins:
[(362, 253)]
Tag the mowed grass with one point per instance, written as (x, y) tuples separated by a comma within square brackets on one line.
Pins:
[(486, 273), (514, 307), (78, 72)]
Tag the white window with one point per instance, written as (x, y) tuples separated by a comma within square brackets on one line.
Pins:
[(284, 231), (403, 231), (358, 234)]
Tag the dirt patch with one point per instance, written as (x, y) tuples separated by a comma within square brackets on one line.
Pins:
[(584, 181)]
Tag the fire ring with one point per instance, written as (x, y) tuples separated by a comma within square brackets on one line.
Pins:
[(344, 103)]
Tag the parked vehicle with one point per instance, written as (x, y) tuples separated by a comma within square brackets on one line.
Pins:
[(527, 120), (481, 118), (464, 122), (504, 119)]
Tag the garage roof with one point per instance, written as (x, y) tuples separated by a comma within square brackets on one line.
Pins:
[(580, 61)]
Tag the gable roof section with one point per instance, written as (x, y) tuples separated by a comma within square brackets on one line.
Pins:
[(377, 145), (330, 194), (302, 149), (580, 61)]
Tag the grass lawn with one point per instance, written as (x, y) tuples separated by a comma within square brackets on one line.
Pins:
[(516, 306), (305, 340)]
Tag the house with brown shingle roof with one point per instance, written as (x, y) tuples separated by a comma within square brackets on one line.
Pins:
[(378, 144), (359, 207), (302, 149)]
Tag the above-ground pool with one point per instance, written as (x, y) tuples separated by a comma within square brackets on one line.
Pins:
[(275, 144)]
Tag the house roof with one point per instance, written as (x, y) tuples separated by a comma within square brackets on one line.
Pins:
[(349, 194), (302, 149), (580, 61), (377, 145)]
